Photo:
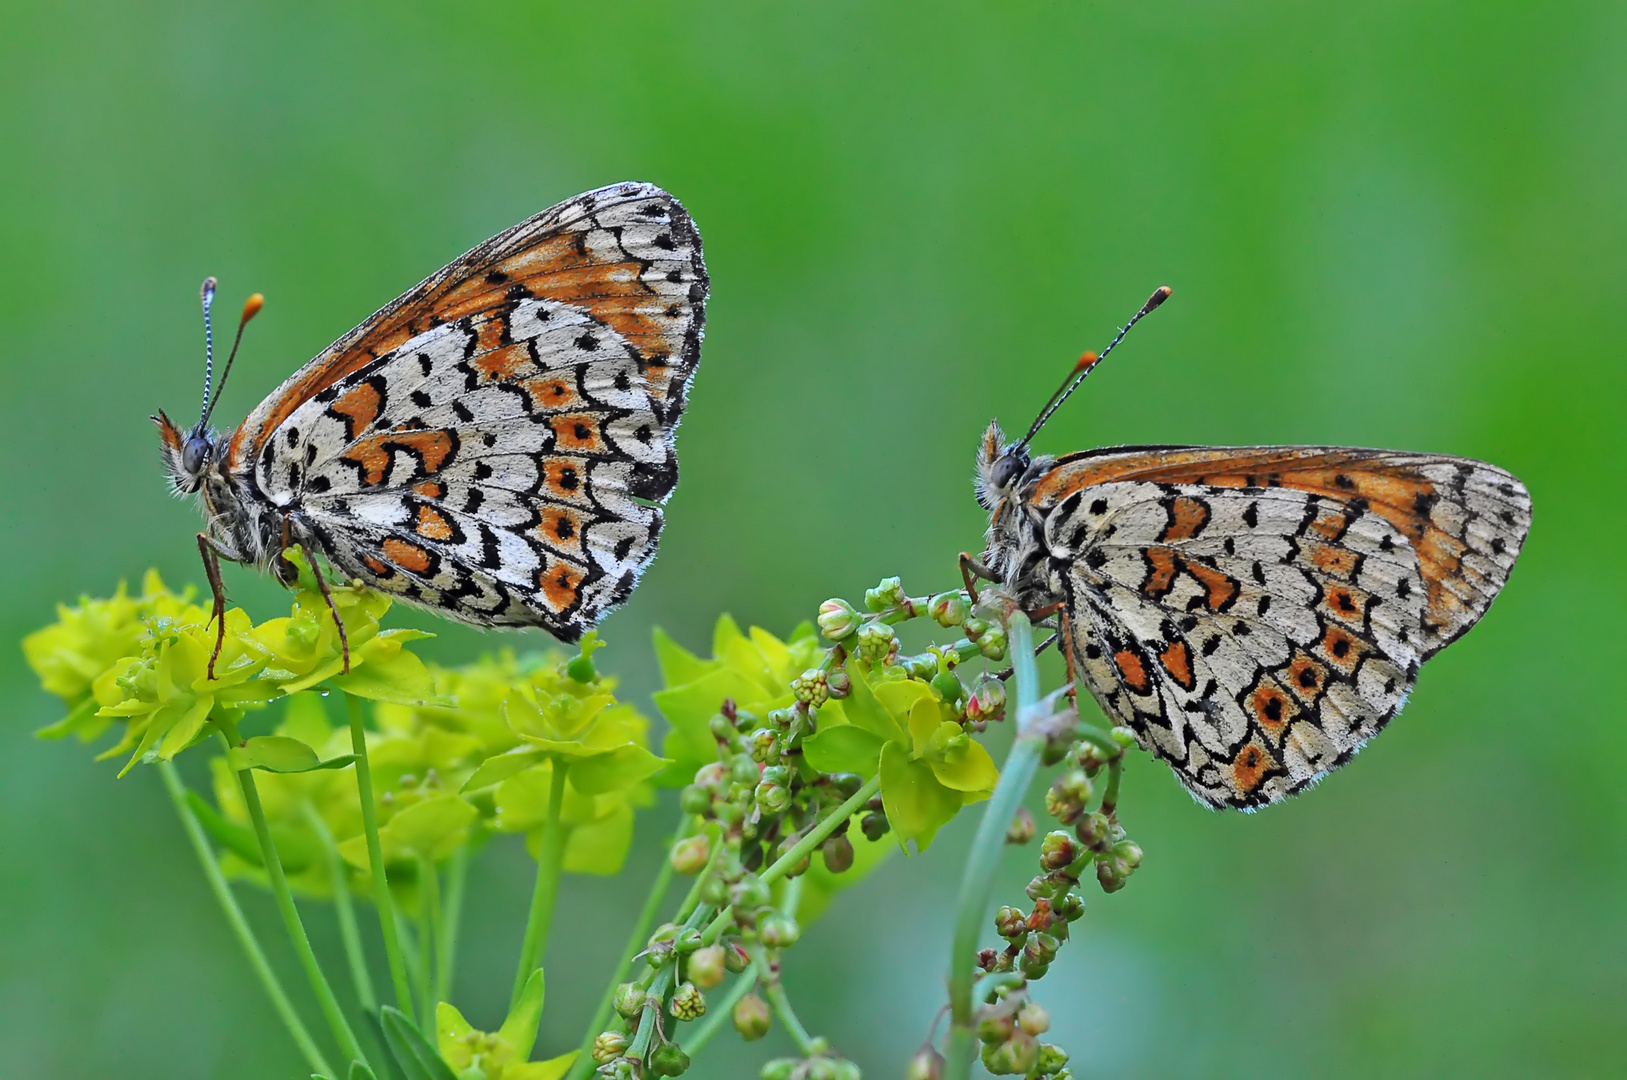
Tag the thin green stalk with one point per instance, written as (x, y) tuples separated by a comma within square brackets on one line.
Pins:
[(1115, 772), (375, 859), (550, 860), (429, 905), (987, 846), (240, 926), (457, 876), (345, 908), (803, 847), (284, 897), (635, 942), (720, 1013), (774, 991)]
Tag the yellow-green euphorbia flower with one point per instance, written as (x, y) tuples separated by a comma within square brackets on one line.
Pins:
[(501, 1054)]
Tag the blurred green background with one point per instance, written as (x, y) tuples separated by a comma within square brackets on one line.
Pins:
[(1389, 224)]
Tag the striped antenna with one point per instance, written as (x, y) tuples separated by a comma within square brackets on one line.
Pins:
[(207, 295), (1087, 363)]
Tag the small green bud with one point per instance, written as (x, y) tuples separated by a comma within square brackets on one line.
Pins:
[(1058, 850), (975, 627), (664, 933), (997, 1028), (948, 686), (721, 727), (987, 704), (735, 958), (837, 619), (686, 941), (1014, 1057), (1022, 827), (838, 854), (1123, 736), (780, 719), (1070, 907), (1094, 831), (608, 1046), (1010, 922), (1128, 852), (845, 1070), (706, 967), (1066, 798), (691, 854), (810, 687), (620, 1069), (630, 999), (749, 893), (1052, 1059), (771, 797), (714, 891), (874, 826), (950, 608), (711, 775), (1033, 1018), (752, 1017), (778, 931), (1033, 972), (1041, 887), (889, 592), (876, 641), (668, 1059), (839, 683), (695, 799), (927, 1064), (779, 1069), (745, 771), (777, 774), (992, 643), (687, 1003), (1041, 948), (763, 746), (846, 784)]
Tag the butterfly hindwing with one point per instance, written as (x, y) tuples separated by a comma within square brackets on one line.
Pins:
[(495, 444)]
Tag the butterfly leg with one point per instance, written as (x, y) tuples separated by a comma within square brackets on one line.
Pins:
[(971, 570), (211, 570), (322, 583)]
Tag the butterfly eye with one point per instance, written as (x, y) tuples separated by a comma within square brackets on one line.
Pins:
[(194, 455), (1006, 470)]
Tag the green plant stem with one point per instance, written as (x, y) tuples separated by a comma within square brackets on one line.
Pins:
[(240, 925), (635, 941), (1110, 797), (987, 846), (382, 898), (429, 902), (720, 1013), (284, 898), (452, 917), (803, 847), (550, 861), (774, 991), (345, 909)]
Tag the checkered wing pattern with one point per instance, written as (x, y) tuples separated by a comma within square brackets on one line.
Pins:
[(496, 443), (1256, 615)]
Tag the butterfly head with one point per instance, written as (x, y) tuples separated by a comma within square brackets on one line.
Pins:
[(1000, 465), (188, 456)]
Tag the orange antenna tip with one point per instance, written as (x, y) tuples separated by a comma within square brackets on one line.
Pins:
[(1158, 297), (1086, 362), (251, 307)]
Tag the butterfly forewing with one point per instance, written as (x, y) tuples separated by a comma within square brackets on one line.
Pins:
[(495, 442), (1256, 614)]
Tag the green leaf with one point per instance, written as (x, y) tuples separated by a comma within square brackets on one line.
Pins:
[(519, 1030), (81, 720), (862, 709), (430, 829), (622, 767), (396, 676), (599, 847), (678, 664), (499, 767), (844, 748), (917, 804), (359, 1071), (238, 839), (412, 1051), (281, 754)]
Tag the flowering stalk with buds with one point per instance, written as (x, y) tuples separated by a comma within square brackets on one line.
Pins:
[(777, 747)]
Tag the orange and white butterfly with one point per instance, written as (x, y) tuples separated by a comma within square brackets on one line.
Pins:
[(1254, 614), (496, 443)]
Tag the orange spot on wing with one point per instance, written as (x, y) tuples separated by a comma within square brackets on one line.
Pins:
[(407, 556), (1220, 590), (1250, 766), (1272, 710), (552, 392), (503, 364), (1162, 577), (559, 583), (432, 525), (565, 478), (1333, 561), (360, 407), (1132, 671), (430, 489), (561, 528), (378, 568), (1342, 649), (577, 432), (432, 447), (1187, 518), (1305, 677), (1177, 660)]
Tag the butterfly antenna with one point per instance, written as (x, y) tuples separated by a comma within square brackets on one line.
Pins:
[(207, 295), (251, 308), (1087, 363)]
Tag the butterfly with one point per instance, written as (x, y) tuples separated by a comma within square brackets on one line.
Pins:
[(494, 445), (1253, 614)]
